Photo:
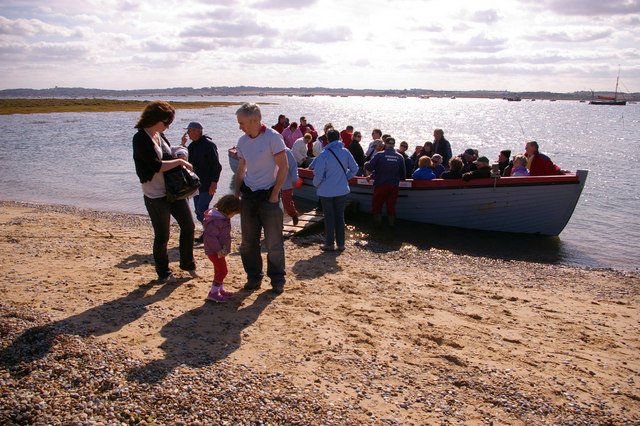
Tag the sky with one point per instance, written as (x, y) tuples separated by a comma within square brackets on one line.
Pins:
[(514, 45)]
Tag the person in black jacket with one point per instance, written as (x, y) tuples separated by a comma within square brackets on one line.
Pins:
[(455, 169), (357, 152), (203, 154), (152, 157)]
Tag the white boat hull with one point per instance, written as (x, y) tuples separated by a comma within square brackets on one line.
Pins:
[(531, 205)]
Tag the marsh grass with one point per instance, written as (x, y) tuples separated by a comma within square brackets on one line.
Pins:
[(33, 106)]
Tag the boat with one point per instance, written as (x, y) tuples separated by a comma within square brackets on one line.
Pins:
[(526, 205), (609, 100)]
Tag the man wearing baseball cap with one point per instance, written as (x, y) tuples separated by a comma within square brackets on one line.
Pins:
[(483, 170), (388, 168), (203, 154)]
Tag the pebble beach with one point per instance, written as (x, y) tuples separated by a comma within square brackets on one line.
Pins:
[(378, 334)]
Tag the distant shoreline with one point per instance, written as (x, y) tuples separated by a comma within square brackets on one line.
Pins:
[(257, 91), (35, 106)]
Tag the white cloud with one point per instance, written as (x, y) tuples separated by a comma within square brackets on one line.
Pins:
[(282, 59), (588, 7), (220, 29), (32, 27), (581, 36), (485, 16), (436, 44), (284, 4), (320, 36)]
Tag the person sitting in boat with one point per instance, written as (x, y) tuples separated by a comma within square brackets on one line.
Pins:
[(356, 151), (291, 134), (408, 163), (441, 146), (539, 164), (427, 149), (520, 166), (375, 134), (415, 156), (300, 150), (318, 147), (347, 136), (455, 169), (424, 172), (308, 128), (378, 146), (323, 138), (483, 170), (283, 123), (436, 165), (468, 157), (503, 160), (388, 168)]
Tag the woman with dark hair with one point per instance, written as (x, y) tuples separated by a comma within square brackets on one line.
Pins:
[(427, 149), (152, 157)]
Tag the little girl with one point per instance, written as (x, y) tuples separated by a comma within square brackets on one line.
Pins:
[(217, 242), (519, 166)]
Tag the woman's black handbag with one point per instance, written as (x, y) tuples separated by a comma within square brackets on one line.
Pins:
[(180, 183)]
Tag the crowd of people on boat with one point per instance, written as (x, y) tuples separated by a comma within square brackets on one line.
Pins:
[(268, 161), (387, 166), (432, 160)]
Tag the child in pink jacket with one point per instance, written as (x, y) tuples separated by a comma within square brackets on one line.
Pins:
[(217, 242)]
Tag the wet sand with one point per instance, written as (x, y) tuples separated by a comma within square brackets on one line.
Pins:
[(377, 334)]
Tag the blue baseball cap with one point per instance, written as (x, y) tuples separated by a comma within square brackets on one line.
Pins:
[(194, 125)]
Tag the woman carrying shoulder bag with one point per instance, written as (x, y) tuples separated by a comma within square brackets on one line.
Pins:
[(152, 157), (332, 170)]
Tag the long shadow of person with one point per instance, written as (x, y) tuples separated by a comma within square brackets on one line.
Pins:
[(137, 259), (34, 343), (317, 266), (203, 336)]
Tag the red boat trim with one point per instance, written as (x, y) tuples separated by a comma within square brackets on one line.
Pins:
[(459, 183)]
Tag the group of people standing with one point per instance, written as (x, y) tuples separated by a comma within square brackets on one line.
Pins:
[(267, 170), (262, 170)]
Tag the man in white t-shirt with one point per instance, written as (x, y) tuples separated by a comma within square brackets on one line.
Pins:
[(262, 170), (300, 150)]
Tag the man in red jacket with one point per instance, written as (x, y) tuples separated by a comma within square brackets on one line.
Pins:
[(346, 136), (539, 164)]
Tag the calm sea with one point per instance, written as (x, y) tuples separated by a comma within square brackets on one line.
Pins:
[(85, 160)]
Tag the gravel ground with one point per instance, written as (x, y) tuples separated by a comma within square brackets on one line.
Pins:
[(375, 335)]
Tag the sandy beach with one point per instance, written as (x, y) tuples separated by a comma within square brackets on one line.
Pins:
[(377, 334)]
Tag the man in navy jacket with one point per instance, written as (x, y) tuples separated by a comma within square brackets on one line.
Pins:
[(203, 154), (388, 169)]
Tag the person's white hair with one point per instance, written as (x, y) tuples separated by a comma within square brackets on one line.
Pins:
[(250, 110)]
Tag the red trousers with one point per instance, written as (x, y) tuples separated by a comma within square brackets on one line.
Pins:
[(219, 268), (287, 202), (384, 194)]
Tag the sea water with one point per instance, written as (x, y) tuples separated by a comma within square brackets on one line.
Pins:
[(85, 160)]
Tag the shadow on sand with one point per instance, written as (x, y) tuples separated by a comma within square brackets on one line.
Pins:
[(196, 338), (109, 317), (203, 335)]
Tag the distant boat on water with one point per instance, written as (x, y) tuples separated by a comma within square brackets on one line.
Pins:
[(608, 100)]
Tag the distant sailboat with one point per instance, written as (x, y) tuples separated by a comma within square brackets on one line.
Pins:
[(608, 100)]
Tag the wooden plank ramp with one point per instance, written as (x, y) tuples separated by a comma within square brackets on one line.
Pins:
[(305, 221)]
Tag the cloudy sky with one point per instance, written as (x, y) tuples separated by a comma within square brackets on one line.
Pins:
[(517, 45)]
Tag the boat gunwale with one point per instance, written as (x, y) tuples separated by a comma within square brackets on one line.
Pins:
[(435, 184)]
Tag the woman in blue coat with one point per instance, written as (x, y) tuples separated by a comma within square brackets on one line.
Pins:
[(332, 170)]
